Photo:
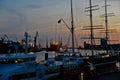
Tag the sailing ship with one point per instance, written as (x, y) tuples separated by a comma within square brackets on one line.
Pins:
[(103, 62)]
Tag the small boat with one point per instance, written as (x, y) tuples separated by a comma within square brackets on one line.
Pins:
[(24, 66), (61, 68), (17, 66)]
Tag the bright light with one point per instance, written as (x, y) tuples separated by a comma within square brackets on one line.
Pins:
[(56, 43), (106, 56), (16, 61)]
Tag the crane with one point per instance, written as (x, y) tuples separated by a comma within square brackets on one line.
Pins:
[(35, 40), (4, 38)]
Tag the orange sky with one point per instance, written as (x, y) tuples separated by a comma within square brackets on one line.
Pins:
[(19, 16)]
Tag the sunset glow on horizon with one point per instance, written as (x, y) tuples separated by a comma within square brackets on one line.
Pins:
[(19, 16)]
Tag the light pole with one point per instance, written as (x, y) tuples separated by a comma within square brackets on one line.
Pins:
[(59, 21), (72, 25)]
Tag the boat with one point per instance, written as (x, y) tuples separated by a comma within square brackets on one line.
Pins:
[(17, 66), (24, 66), (102, 63), (62, 67)]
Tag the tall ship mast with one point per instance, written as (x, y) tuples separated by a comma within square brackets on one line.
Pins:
[(91, 29), (107, 31), (106, 25), (91, 8), (72, 27)]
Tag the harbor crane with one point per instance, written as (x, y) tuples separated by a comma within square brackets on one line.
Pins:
[(35, 40), (4, 38)]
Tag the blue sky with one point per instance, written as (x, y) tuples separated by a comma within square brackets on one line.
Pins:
[(19, 16)]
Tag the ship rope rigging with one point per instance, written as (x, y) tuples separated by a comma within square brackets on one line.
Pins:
[(90, 9)]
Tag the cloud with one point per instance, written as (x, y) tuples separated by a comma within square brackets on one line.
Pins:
[(33, 6), (7, 7), (14, 21), (20, 15), (43, 3)]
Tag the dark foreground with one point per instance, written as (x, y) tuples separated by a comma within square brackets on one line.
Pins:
[(112, 76)]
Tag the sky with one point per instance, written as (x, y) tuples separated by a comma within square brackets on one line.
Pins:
[(20, 16)]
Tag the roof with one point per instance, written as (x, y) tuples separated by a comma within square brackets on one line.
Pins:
[(16, 56)]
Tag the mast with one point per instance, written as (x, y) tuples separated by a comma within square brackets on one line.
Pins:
[(106, 20), (91, 29), (72, 27), (92, 8), (106, 15), (106, 26)]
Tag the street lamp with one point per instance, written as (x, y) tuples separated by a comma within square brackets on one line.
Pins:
[(59, 21)]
